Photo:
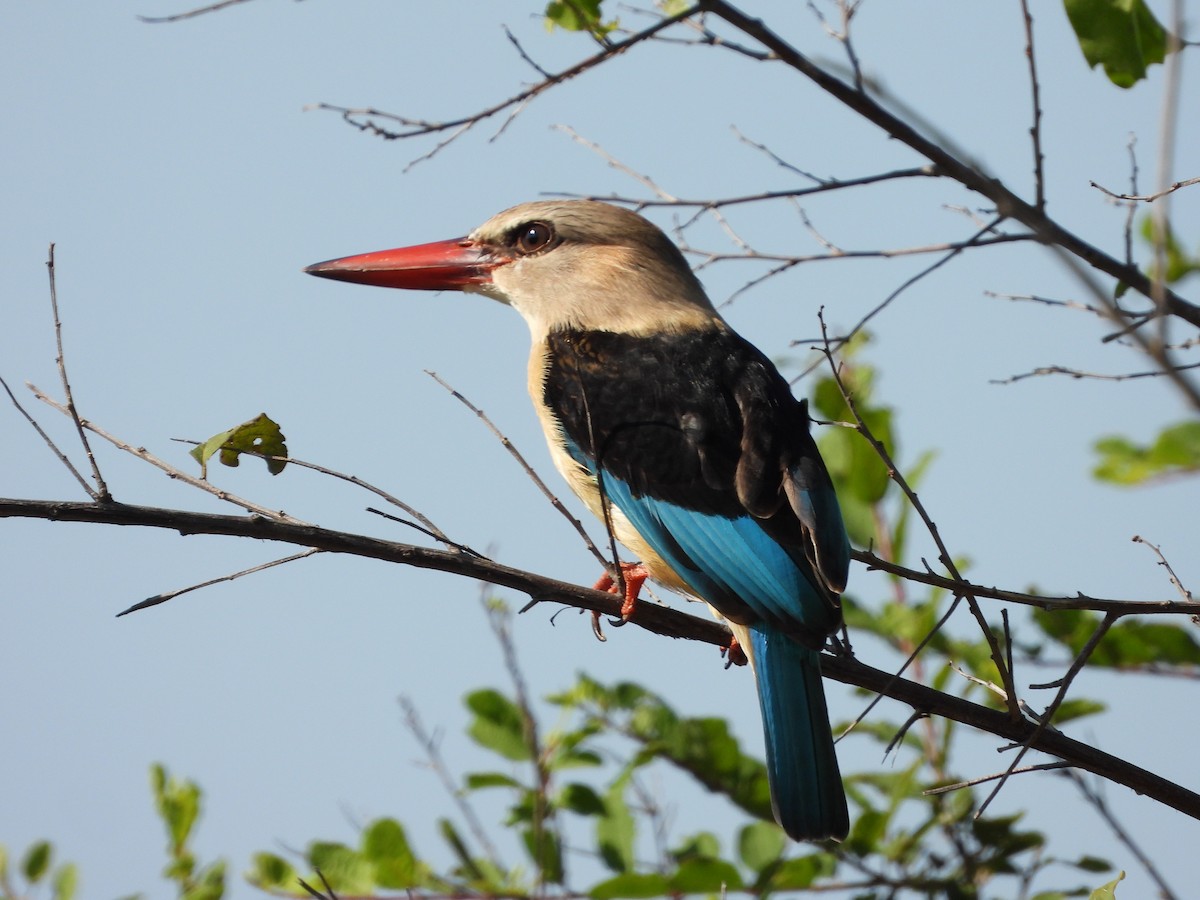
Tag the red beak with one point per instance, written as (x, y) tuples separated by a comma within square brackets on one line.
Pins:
[(443, 265)]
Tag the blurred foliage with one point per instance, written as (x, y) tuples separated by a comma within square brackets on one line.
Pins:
[(178, 805), (36, 871), (1176, 451)]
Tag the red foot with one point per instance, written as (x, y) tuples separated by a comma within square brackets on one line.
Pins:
[(734, 654), (634, 575)]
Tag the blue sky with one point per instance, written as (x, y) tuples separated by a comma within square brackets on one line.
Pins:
[(185, 185)]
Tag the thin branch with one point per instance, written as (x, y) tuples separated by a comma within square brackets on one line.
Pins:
[(1050, 603), (1035, 130), (1078, 374), (657, 619), (171, 595), (100, 493), (62, 457), (191, 13), (976, 240), (529, 470), (984, 779), (411, 128), (822, 186), (1047, 301), (1044, 720), (433, 754), (1162, 561), (1147, 198), (512, 39)]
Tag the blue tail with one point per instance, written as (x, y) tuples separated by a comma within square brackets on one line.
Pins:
[(806, 786)]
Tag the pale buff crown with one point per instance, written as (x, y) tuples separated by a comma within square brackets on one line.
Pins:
[(605, 268)]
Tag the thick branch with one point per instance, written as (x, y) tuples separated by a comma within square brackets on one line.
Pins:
[(658, 619)]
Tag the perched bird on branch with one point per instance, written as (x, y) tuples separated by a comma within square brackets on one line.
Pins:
[(682, 438)]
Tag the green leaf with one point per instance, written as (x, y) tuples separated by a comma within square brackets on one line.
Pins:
[(1176, 451), (1128, 644), (386, 845), (210, 886), (800, 872), (577, 15), (704, 875), (760, 844), (1077, 709), (701, 845), (636, 886), (582, 800), (259, 435), (66, 882), (476, 781), (347, 870), (36, 861), (1121, 35), (178, 804), (498, 725), (1092, 864), (1179, 262), (545, 850), (1107, 891), (270, 871), (615, 829), (470, 867)]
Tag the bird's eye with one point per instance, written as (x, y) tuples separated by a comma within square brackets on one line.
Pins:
[(533, 237)]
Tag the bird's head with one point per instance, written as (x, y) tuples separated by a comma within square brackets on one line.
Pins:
[(562, 264)]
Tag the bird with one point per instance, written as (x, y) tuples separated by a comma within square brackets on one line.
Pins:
[(683, 438)]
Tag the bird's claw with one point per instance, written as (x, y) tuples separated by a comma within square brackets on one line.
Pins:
[(633, 576), (734, 654)]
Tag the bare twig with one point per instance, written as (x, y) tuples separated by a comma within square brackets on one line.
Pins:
[(1047, 301), (1147, 198), (100, 494), (529, 470), (1044, 720), (822, 186), (191, 13), (62, 457), (1079, 374), (434, 756), (1162, 561), (1079, 601), (171, 595), (1035, 130), (984, 779), (364, 118)]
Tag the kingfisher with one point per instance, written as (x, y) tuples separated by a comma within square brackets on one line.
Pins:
[(679, 435)]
